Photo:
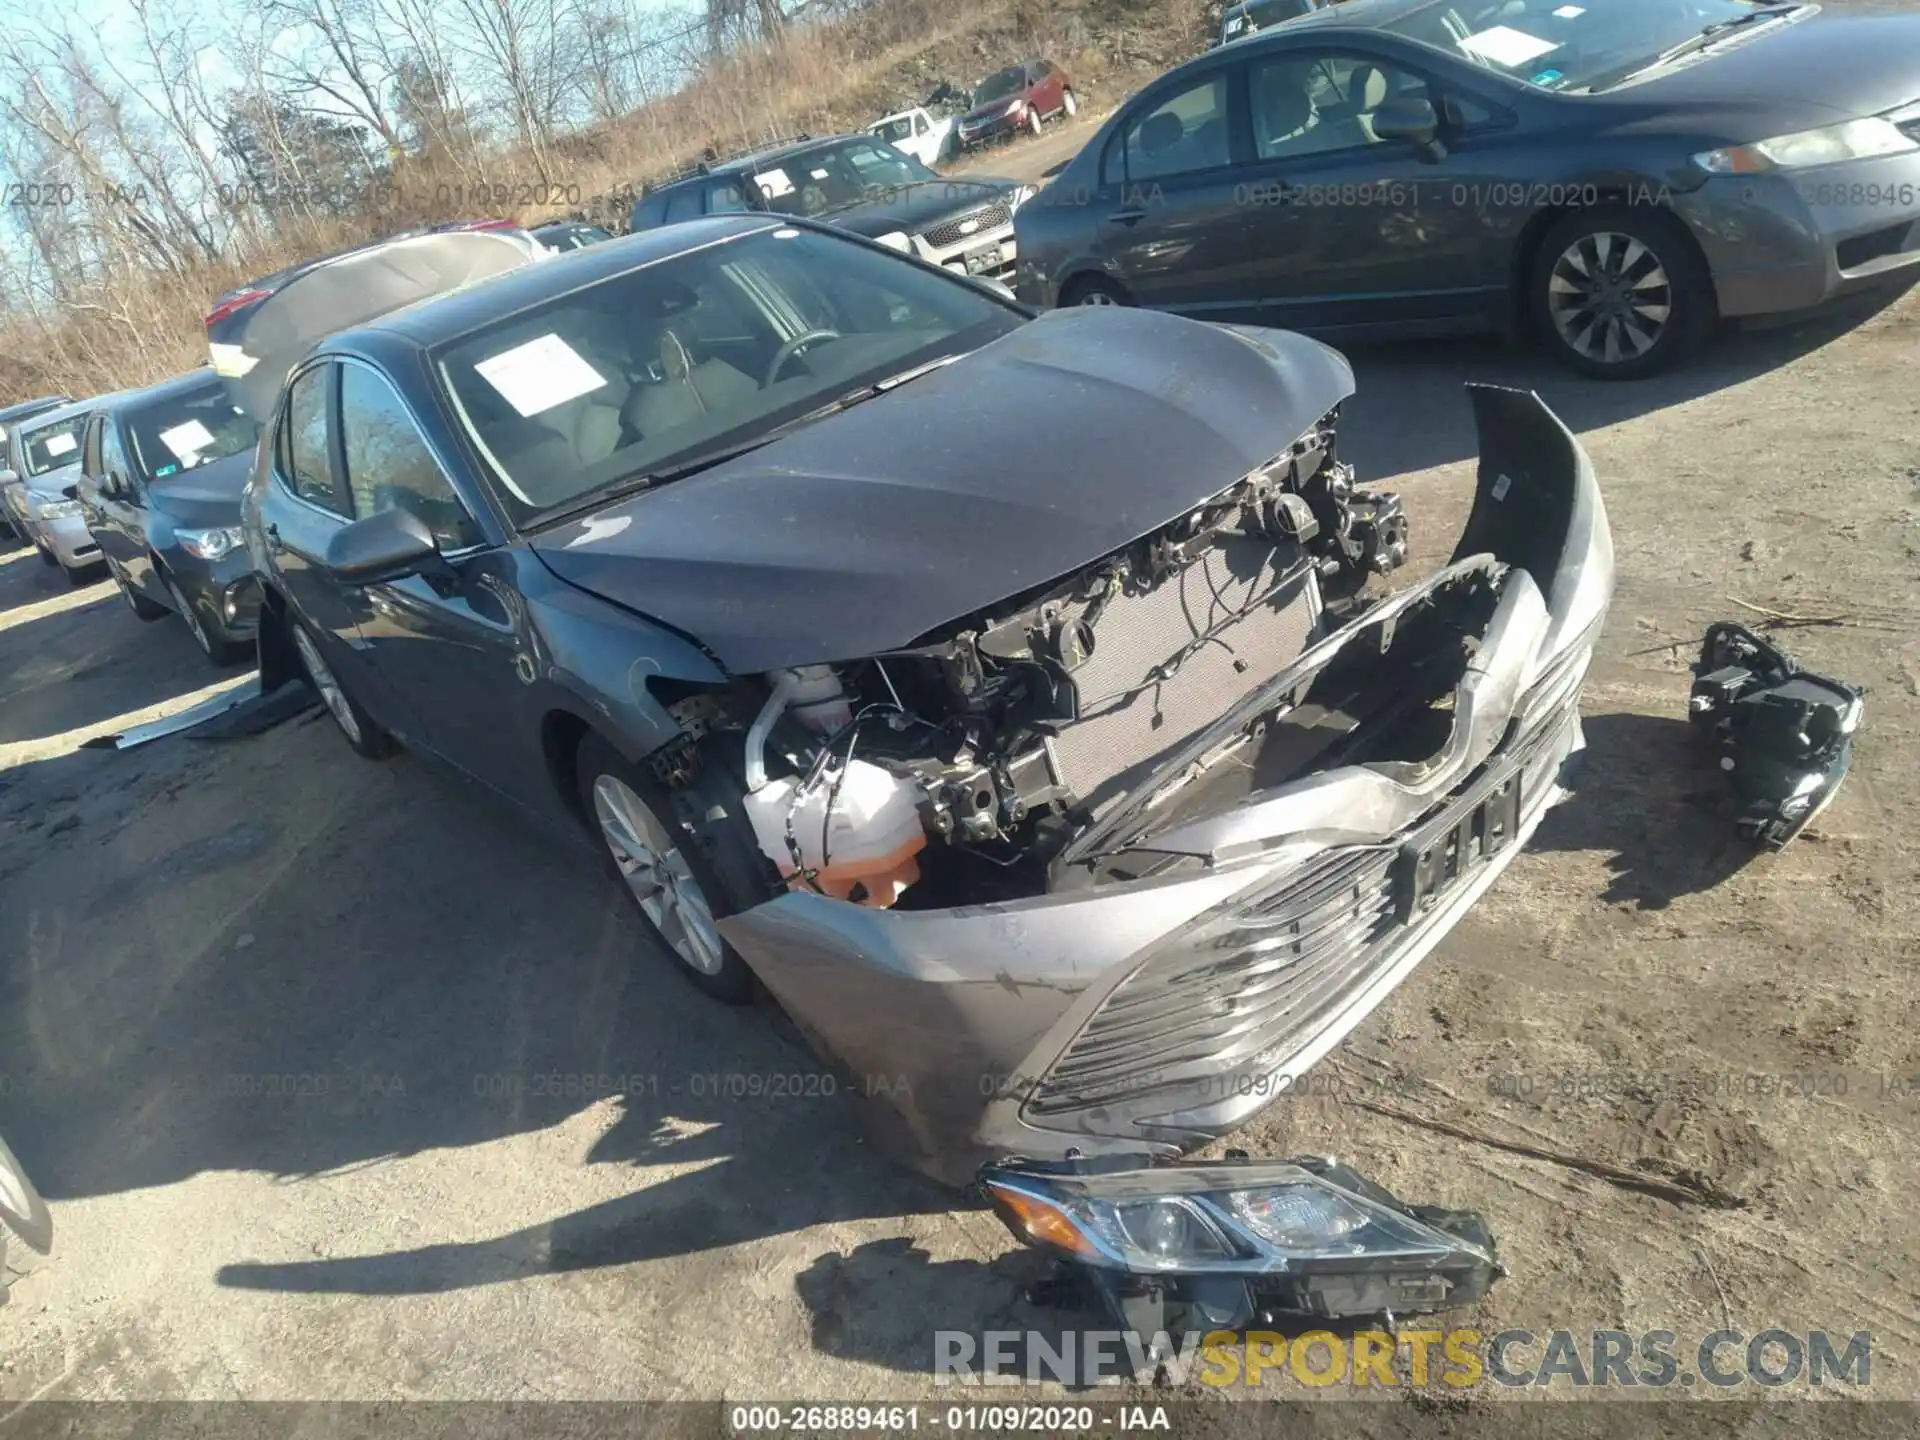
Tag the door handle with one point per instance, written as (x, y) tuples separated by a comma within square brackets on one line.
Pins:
[(1126, 217)]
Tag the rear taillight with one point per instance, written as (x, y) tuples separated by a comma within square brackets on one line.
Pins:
[(239, 300)]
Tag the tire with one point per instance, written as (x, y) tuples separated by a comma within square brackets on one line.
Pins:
[(1069, 107), (220, 652), (364, 735), (81, 576), (21, 1209), (140, 605), (1033, 120), (1094, 290), (713, 868), (47, 557), (1619, 292)]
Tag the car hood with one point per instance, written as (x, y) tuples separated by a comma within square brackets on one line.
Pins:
[(1799, 75), (992, 110), (916, 206), (47, 485), (1035, 455), (205, 495)]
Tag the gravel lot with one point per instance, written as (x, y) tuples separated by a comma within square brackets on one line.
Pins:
[(343, 1085)]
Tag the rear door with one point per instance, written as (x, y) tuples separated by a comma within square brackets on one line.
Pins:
[(1169, 214)]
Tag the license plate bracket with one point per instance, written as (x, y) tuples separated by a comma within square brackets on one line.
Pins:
[(1456, 843), (979, 261)]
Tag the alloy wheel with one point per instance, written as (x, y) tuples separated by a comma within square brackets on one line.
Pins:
[(658, 874), (1610, 298), (184, 607), (331, 695), (1098, 297)]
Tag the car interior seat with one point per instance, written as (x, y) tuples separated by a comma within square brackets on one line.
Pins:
[(1284, 115), (686, 392)]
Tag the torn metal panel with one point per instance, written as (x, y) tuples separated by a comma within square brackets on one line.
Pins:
[(243, 710)]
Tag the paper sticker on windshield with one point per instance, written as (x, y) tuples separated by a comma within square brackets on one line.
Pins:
[(59, 444), (540, 374), (1569, 12), (1504, 45), (774, 183), (187, 440), (819, 174)]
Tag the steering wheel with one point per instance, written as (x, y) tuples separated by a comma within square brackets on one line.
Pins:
[(792, 348)]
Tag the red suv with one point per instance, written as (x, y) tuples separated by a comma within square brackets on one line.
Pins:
[(1017, 98)]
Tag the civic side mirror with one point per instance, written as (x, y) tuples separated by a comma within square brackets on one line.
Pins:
[(388, 546), (1411, 118)]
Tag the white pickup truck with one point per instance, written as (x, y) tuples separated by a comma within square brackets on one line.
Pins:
[(917, 133)]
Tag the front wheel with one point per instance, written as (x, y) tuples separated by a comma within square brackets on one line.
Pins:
[(220, 652), (681, 855), (1033, 119), (1620, 293), (140, 605), (364, 734), (1069, 105), (1094, 290)]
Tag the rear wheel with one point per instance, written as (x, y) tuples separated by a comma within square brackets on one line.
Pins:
[(1094, 290), (682, 855), (364, 734), (1068, 105), (1620, 293)]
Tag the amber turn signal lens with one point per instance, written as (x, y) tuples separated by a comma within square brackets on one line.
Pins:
[(1042, 1222)]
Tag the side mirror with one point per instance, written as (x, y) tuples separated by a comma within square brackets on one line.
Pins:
[(388, 546), (1410, 118)]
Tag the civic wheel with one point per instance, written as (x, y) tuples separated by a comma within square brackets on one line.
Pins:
[(140, 605), (1070, 105), (1093, 290), (1620, 294), (680, 856), (363, 733), (221, 652)]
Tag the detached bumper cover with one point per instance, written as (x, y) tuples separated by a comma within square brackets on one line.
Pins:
[(1155, 1016)]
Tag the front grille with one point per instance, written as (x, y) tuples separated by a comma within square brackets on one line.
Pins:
[(1237, 996), (985, 220), (1219, 629)]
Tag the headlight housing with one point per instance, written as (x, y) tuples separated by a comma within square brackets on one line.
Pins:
[(58, 509), (1239, 1239), (1850, 140), (211, 544)]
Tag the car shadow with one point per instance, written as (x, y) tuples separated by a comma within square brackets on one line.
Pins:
[(1648, 795), (1408, 413)]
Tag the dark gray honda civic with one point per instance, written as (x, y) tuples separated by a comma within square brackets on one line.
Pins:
[(1004, 692), (1614, 175)]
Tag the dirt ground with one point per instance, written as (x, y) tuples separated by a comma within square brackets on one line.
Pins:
[(343, 1085)]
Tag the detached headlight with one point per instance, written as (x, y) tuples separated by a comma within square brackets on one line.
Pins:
[(211, 544), (1240, 1239), (1850, 140), (58, 509)]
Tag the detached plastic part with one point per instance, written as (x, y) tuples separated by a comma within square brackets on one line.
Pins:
[(1784, 734), (1376, 1257)]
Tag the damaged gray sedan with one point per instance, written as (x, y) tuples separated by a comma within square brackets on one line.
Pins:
[(1006, 694)]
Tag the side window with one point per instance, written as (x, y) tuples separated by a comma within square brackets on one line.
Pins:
[(113, 464), (1317, 104), (651, 211), (1463, 112), (1185, 131), (389, 466), (683, 204), (306, 461)]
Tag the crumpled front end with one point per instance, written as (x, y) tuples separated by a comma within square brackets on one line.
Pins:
[(1235, 914)]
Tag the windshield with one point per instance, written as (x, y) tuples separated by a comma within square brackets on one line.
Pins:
[(189, 429), (1561, 46), (52, 446), (825, 180), (1000, 84), (649, 369), (900, 129), (1262, 13)]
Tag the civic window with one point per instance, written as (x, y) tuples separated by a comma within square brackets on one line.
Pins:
[(1465, 112), (306, 461), (683, 205), (187, 430), (389, 466), (117, 474), (1179, 133), (1316, 104), (726, 198)]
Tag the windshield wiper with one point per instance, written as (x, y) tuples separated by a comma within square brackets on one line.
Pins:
[(1701, 39), (707, 459)]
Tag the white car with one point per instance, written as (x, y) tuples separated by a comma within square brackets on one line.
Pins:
[(917, 133)]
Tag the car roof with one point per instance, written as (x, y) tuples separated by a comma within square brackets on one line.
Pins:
[(160, 390), (30, 407), (79, 410), (437, 319), (760, 159)]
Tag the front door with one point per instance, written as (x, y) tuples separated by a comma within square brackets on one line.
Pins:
[(1169, 207), (121, 509), (1348, 229)]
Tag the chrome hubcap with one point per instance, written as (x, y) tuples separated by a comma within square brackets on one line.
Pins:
[(1098, 297), (658, 875), (1610, 297), (331, 695), (186, 611)]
